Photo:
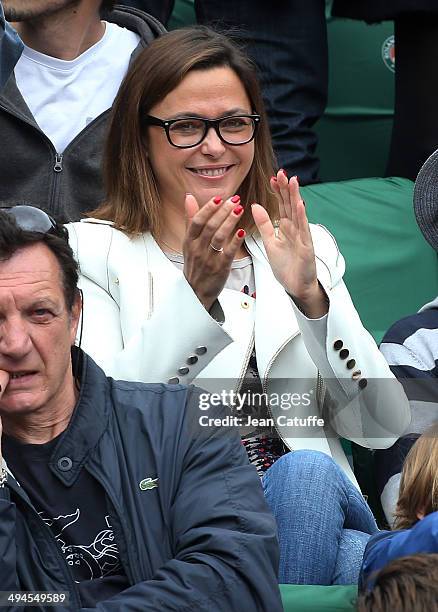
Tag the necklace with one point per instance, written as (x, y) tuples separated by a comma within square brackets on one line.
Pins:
[(170, 247)]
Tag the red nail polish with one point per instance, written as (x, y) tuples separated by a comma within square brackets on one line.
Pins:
[(235, 199), (273, 178), (241, 233), (238, 210), (298, 179), (284, 172), (217, 200)]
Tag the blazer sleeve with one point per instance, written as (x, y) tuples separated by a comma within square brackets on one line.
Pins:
[(226, 550), (180, 330), (364, 401)]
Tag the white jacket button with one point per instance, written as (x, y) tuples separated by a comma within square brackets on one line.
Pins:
[(173, 381)]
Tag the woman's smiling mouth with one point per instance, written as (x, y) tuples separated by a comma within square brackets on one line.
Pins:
[(212, 172)]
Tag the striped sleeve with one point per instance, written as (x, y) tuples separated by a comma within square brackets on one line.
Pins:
[(411, 349)]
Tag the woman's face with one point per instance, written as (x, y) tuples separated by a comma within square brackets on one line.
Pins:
[(212, 168)]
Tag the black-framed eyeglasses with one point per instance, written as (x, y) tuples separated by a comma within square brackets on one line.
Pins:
[(30, 219), (190, 131)]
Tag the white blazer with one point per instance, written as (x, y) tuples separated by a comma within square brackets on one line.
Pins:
[(143, 322)]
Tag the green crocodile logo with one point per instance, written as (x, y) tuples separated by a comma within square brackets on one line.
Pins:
[(148, 483)]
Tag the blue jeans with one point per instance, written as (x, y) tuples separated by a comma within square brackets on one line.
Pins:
[(322, 519)]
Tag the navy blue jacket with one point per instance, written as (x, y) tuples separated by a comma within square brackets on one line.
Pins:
[(384, 547), (203, 539), (10, 49)]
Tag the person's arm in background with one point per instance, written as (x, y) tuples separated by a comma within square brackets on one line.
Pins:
[(10, 49), (386, 546)]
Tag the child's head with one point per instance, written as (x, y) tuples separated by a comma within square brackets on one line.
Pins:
[(419, 481), (404, 585)]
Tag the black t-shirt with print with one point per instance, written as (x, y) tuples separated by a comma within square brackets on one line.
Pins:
[(77, 515)]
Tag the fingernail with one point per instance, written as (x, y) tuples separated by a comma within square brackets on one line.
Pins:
[(284, 172), (238, 210), (188, 193), (235, 199), (241, 233), (273, 178), (298, 179), (217, 200)]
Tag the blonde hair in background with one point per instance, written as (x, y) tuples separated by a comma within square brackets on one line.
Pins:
[(419, 480), (132, 198)]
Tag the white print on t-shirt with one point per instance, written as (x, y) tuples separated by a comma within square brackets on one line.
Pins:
[(95, 560)]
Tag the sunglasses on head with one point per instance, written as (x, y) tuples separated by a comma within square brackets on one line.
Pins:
[(30, 219)]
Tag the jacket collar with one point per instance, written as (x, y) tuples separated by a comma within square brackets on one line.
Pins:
[(13, 101), (143, 24), (88, 422), (272, 302), (273, 305)]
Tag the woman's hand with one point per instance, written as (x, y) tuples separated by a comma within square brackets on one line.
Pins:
[(210, 245), (290, 252)]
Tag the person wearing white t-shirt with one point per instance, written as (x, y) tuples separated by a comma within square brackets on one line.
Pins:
[(53, 114)]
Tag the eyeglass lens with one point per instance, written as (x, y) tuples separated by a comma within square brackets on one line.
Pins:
[(234, 130)]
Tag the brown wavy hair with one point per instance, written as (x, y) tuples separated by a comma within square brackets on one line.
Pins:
[(419, 480), (407, 584), (132, 198)]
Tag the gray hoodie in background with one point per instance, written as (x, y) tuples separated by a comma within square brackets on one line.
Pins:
[(31, 170), (10, 49)]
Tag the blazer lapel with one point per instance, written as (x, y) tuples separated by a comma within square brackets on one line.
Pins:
[(275, 321)]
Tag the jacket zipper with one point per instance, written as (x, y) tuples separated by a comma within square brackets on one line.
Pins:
[(245, 364), (58, 165), (130, 571), (58, 162), (265, 382), (320, 391), (54, 545)]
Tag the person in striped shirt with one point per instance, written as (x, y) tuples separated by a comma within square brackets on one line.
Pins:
[(411, 349)]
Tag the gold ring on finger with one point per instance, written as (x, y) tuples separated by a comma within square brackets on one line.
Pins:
[(221, 250)]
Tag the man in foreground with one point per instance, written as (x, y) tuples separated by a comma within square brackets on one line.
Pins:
[(123, 502)]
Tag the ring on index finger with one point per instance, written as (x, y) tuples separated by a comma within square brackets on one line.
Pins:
[(221, 250)]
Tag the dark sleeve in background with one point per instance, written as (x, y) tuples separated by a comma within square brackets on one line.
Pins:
[(10, 49), (381, 10)]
